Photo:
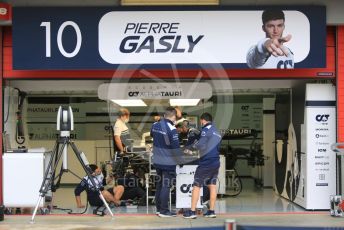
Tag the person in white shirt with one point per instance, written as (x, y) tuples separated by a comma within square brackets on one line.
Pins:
[(121, 131), (270, 52)]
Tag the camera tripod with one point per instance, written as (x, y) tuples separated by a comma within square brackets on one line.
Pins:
[(60, 149)]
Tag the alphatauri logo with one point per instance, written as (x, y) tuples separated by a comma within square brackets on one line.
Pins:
[(185, 188), (133, 94), (153, 94), (322, 117)]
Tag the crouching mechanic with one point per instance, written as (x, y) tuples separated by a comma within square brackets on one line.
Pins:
[(110, 195), (166, 155), (207, 172)]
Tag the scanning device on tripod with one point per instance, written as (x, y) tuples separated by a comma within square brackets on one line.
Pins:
[(65, 121), (64, 124)]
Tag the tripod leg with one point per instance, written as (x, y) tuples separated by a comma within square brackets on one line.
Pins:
[(54, 186), (105, 203), (46, 173), (32, 221), (46, 180), (78, 155)]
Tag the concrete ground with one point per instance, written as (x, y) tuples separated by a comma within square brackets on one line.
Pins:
[(150, 221), (252, 207)]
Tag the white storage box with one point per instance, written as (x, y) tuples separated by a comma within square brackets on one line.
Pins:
[(22, 177)]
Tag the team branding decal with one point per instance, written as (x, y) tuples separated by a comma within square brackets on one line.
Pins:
[(155, 91)]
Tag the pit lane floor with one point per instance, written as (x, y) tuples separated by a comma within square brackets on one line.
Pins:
[(251, 208), (150, 221)]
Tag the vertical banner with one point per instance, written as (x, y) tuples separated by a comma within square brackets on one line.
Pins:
[(318, 174)]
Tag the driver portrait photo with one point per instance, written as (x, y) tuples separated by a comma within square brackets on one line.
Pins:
[(271, 52)]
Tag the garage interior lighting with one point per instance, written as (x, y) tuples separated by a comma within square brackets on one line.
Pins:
[(130, 103), (184, 102)]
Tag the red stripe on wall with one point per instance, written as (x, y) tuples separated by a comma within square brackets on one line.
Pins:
[(340, 83), (9, 73)]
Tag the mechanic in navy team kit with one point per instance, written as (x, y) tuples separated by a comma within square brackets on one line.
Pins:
[(127, 189), (187, 134), (166, 155), (93, 192), (187, 137), (209, 163)]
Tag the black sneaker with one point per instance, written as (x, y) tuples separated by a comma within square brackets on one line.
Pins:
[(190, 214), (210, 214), (167, 214)]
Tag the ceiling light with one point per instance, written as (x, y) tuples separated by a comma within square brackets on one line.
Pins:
[(130, 103), (184, 102)]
